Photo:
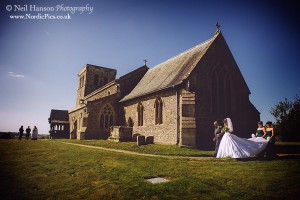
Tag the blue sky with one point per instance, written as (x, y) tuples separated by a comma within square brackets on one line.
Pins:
[(40, 59)]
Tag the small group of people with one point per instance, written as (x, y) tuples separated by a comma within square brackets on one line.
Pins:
[(28, 131), (268, 133), (227, 144)]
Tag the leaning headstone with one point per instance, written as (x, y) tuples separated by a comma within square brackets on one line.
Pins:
[(140, 140), (150, 139), (134, 137)]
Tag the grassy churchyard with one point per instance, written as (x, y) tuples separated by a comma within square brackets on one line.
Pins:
[(51, 169)]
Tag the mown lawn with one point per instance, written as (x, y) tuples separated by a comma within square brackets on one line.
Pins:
[(49, 169)]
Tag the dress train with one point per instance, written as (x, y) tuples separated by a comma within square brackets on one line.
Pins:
[(233, 146)]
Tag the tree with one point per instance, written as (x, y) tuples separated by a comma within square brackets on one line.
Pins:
[(287, 116)]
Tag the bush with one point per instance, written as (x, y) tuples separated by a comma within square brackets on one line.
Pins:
[(7, 135), (287, 115)]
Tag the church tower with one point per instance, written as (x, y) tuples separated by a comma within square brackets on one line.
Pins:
[(92, 77)]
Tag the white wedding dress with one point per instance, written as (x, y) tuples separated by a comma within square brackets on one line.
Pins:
[(232, 146)]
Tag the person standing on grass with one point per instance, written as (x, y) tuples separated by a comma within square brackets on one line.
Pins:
[(34, 133), (21, 131), (270, 151), (261, 132), (217, 136), (27, 133)]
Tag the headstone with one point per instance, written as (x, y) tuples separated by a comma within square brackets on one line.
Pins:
[(134, 137), (150, 139), (140, 140)]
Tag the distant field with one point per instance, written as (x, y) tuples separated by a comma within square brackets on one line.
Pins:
[(49, 169)]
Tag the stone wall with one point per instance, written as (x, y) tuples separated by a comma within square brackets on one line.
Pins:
[(77, 121), (110, 89), (165, 133)]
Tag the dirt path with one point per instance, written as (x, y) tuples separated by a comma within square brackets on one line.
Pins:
[(138, 154)]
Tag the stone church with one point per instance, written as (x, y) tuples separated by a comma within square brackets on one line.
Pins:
[(176, 101)]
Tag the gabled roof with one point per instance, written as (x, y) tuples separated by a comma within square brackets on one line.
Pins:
[(170, 72), (59, 116), (116, 81), (138, 70)]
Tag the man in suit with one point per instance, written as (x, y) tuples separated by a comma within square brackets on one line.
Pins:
[(21, 131), (28, 130), (217, 136)]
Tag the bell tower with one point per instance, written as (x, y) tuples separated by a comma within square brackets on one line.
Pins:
[(91, 78)]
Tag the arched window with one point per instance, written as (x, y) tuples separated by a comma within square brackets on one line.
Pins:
[(158, 111), (96, 80), (106, 117), (81, 82), (228, 94), (140, 111), (215, 93), (221, 92)]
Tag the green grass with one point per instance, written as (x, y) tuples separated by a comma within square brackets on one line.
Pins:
[(49, 169)]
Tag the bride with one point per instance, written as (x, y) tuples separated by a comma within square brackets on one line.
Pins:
[(235, 147)]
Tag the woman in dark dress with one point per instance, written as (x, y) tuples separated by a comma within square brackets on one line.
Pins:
[(270, 133), (261, 131), (270, 151)]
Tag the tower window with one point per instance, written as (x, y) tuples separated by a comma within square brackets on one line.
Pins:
[(81, 82)]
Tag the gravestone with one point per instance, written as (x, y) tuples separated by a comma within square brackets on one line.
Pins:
[(140, 140), (134, 137), (149, 139)]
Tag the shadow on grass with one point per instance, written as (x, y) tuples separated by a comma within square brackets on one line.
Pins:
[(287, 149), (276, 157), (283, 152)]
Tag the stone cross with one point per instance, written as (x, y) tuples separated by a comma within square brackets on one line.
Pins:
[(218, 27), (145, 62)]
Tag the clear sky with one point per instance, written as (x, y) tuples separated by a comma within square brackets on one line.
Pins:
[(40, 58)]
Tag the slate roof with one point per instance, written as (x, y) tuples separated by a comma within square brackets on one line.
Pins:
[(59, 116), (170, 72)]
